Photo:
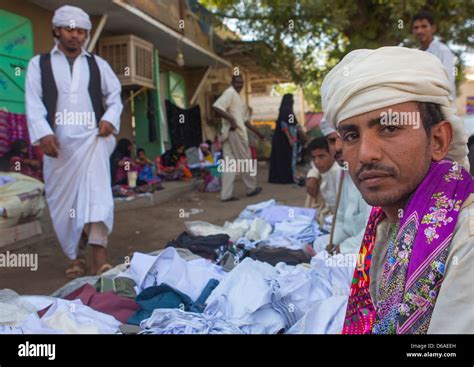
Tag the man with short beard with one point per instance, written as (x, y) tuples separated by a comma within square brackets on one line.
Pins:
[(416, 261), (73, 107)]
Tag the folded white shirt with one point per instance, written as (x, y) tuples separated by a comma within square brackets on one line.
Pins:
[(189, 277)]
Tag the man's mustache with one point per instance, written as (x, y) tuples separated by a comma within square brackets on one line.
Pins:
[(375, 167)]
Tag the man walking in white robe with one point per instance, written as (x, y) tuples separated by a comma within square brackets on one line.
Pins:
[(78, 144), (234, 137)]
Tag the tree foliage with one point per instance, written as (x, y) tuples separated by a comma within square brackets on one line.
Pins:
[(308, 37)]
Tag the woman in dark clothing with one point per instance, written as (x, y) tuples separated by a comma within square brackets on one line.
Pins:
[(281, 170), (173, 156), (173, 165)]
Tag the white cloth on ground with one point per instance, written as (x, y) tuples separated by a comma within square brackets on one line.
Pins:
[(321, 242), (4, 180), (188, 277), (300, 287), (256, 230), (31, 325), (63, 316), (276, 298), (259, 230), (325, 316), (39, 302), (175, 321), (294, 234), (279, 213), (248, 245), (322, 294), (235, 230), (245, 296), (254, 210), (13, 309), (73, 317)]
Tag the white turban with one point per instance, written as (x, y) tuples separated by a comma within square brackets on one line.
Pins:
[(366, 80), (326, 129), (71, 16)]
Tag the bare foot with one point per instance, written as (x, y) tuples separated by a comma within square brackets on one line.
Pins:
[(76, 269), (99, 254)]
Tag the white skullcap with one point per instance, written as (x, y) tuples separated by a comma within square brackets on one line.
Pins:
[(326, 129)]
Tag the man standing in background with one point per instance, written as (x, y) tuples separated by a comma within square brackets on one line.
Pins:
[(235, 142), (424, 28)]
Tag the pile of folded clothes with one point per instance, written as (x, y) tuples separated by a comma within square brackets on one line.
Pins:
[(241, 278)]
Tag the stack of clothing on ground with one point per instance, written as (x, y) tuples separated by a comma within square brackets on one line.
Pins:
[(267, 232), (233, 279), (21, 199)]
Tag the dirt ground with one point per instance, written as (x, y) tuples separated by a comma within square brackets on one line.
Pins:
[(144, 230)]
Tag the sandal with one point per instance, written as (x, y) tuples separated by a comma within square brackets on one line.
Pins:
[(103, 269), (76, 269)]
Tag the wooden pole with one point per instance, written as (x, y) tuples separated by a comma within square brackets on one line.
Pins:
[(98, 31), (338, 198)]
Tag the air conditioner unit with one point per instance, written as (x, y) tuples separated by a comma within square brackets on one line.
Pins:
[(131, 58)]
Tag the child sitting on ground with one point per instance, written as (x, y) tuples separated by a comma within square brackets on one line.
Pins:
[(173, 165), (205, 154), (211, 183), (146, 173)]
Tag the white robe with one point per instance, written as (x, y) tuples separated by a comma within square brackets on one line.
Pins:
[(352, 217), (77, 182), (442, 51), (327, 186)]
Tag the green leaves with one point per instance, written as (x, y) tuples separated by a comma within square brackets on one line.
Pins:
[(308, 37)]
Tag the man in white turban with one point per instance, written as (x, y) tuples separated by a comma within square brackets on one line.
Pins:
[(405, 150), (71, 17), (73, 107)]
